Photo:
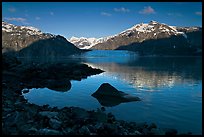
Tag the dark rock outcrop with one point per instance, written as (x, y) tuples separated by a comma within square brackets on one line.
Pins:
[(55, 76), (107, 95)]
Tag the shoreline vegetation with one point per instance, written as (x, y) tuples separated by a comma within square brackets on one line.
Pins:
[(19, 117)]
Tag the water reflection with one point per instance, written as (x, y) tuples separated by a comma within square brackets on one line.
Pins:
[(62, 85), (109, 101), (154, 72), (142, 72), (59, 85)]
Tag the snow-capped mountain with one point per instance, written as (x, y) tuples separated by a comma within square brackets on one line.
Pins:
[(87, 43), (30, 40), (138, 33), (16, 30), (152, 26), (82, 42)]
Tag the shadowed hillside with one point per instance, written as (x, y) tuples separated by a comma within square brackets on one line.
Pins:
[(172, 46), (52, 47)]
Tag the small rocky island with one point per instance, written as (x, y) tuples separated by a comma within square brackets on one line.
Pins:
[(109, 96)]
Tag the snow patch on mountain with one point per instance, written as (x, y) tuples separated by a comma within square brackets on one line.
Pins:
[(7, 27), (32, 30)]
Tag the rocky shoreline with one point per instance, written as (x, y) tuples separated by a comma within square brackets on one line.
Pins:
[(19, 117), (23, 118)]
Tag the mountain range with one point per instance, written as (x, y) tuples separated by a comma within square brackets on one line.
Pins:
[(26, 41), (149, 38)]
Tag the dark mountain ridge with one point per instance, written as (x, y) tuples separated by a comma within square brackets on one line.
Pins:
[(24, 41)]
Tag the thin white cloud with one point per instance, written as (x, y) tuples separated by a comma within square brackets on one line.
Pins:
[(22, 20), (12, 9), (147, 10), (15, 19), (51, 13), (198, 13), (37, 18), (122, 9), (105, 14)]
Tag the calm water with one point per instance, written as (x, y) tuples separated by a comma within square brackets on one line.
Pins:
[(170, 89)]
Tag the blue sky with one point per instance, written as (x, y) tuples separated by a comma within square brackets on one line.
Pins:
[(99, 19)]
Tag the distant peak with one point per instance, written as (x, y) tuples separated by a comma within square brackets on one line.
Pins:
[(73, 37)]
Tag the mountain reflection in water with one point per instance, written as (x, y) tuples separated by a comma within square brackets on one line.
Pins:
[(151, 72)]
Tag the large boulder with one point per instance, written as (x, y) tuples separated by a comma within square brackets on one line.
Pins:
[(107, 95)]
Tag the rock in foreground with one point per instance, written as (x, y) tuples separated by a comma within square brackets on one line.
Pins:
[(108, 95)]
